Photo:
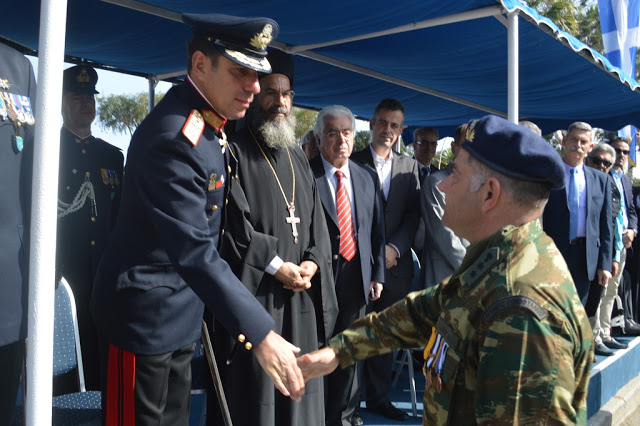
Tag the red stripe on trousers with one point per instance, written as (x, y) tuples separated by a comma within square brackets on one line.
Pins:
[(121, 379)]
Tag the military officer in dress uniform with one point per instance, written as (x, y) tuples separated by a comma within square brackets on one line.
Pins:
[(17, 99), (507, 339), (162, 262), (90, 182)]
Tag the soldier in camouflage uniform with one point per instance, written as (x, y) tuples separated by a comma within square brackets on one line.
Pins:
[(507, 339)]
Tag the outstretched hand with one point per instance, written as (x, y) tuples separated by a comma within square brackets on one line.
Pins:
[(277, 357), (318, 363)]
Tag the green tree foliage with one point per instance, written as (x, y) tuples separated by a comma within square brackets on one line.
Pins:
[(443, 158), (579, 18), (123, 113), (361, 140), (305, 120)]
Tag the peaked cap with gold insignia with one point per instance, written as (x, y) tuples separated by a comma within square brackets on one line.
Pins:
[(241, 40)]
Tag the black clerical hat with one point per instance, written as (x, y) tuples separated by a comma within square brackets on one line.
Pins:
[(241, 40), (281, 63), (80, 79)]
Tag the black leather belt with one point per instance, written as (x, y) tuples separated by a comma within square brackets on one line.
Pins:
[(578, 241)]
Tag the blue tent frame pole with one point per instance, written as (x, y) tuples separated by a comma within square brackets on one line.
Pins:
[(513, 67), (53, 18)]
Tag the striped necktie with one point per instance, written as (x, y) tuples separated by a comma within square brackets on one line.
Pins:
[(345, 221)]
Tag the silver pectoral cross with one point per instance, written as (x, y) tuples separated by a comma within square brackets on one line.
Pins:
[(292, 220)]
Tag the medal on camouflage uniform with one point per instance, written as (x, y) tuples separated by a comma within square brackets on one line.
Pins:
[(435, 354)]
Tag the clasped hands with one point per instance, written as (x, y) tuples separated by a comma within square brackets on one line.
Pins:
[(296, 277)]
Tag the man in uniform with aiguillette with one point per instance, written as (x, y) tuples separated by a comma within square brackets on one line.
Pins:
[(507, 339), (163, 262), (89, 188)]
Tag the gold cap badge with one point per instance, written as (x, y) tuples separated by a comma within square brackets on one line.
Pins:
[(262, 39)]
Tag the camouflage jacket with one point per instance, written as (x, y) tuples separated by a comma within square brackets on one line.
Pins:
[(511, 340)]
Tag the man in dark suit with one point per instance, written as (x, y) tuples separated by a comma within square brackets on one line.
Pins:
[(162, 261), (425, 143), (578, 217), (17, 91), (350, 195), (629, 228), (398, 176)]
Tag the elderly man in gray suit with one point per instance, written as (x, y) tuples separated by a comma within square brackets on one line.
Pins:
[(443, 250)]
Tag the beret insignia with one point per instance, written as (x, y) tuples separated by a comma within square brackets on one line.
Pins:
[(471, 132)]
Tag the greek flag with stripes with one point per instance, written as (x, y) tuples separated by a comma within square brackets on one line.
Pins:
[(619, 22)]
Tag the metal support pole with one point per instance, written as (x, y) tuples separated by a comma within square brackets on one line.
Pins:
[(153, 82), (53, 18), (513, 74)]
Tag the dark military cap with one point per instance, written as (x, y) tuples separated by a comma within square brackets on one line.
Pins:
[(241, 40), (514, 150), (80, 79), (281, 63)]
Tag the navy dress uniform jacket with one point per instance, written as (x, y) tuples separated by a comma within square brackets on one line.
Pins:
[(162, 261), (15, 197)]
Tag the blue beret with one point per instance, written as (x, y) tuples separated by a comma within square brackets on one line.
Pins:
[(241, 40), (514, 150), (80, 79)]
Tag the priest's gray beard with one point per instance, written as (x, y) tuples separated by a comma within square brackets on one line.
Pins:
[(276, 134)]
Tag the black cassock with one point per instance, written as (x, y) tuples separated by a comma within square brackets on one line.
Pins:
[(257, 231)]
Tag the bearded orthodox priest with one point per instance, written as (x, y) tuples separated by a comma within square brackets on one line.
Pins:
[(276, 241)]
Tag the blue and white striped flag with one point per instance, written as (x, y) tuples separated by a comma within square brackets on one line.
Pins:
[(630, 133), (620, 22)]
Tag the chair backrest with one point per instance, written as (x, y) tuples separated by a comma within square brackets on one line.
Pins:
[(67, 354), (416, 271)]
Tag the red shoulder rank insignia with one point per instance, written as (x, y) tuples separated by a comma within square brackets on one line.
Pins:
[(194, 127)]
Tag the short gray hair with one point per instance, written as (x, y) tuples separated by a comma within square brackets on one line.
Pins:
[(532, 126), (580, 125), (524, 193), (332, 111), (605, 148), (307, 137)]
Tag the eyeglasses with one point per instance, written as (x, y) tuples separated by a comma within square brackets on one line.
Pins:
[(273, 93), (335, 134), (621, 151), (600, 162), (435, 143)]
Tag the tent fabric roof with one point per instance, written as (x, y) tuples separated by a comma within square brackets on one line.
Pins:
[(561, 79)]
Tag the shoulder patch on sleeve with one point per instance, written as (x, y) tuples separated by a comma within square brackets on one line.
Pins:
[(515, 302)]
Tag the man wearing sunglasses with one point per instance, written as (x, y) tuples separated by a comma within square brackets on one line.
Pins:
[(601, 158)]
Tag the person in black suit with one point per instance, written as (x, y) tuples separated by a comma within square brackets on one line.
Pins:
[(425, 143), (89, 189), (587, 248), (399, 182), (17, 100), (355, 218), (162, 261)]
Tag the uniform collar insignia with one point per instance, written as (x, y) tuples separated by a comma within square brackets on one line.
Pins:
[(214, 119)]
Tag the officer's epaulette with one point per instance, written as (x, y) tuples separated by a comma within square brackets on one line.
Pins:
[(482, 264), (108, 144), (515, 302)]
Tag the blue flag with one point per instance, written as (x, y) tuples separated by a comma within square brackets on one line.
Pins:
[(620, 22), (630, 132)]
